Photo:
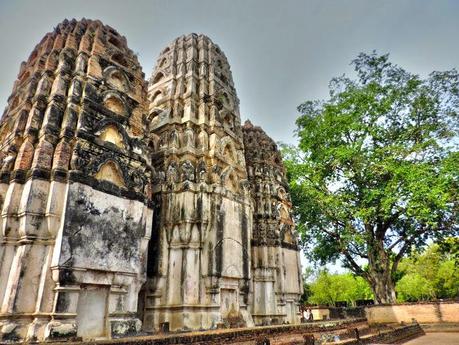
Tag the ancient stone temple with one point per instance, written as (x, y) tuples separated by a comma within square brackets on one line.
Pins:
[(276, 271), (75, 216), (130, 206), (200, 275)]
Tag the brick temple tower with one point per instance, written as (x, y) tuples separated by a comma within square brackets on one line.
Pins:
[(276, 271), (76, 216), (200, 274)]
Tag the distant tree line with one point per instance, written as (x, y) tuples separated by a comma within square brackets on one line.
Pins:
[(423, 276)]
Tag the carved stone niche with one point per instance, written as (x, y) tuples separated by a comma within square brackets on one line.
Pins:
[(116, 79), (228, 150), (115, 105), (158, 77), (230, 181), (109, 171), (156, 98), (112, 135)]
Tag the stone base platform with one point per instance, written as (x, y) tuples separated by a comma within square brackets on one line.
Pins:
[(338, 332)]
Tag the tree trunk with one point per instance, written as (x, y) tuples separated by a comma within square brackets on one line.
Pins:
[(383, 288), (379, 273)]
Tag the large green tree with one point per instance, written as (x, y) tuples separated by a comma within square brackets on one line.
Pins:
[(376, 170)]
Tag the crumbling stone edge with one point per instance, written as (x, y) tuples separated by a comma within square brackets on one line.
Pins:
[(392, 336)]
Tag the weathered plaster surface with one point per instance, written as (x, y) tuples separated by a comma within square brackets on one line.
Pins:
[(102, 232)]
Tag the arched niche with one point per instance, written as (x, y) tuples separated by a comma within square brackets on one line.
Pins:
[(115, 105), (5, 129), (229, 152), (230, 180), (109, 171), (111, 134), (286, 233), (223, 78), (203, 140), (117, 79), (154, 114), (284, 213), (153, 143), (15, 103), (163, 62), (289, 237), (113, 40), (228, 121), (158, 77), (225, 99), (281, 193), (232, 266), (156, 98), (232, 183)]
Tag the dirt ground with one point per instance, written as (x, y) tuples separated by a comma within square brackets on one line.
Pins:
[(436, 339)]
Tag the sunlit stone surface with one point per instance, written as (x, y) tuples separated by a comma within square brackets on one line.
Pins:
[(128, 204)]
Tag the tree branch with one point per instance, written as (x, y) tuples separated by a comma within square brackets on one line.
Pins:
[(356, 268), (357, 252), (393, 245), (399, 257)]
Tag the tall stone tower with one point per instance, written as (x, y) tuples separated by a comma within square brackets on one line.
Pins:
[(76, 217), (276, 271), (200, 269)]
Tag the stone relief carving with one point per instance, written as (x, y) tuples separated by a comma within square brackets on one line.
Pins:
[(188, 173)]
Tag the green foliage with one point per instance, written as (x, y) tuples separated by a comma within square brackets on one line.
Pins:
[(307, 277), (328, 289), (450, 247), (432, 274), (414, 287), (376, 171)]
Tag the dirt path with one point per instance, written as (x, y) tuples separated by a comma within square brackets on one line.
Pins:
[(436, 339)]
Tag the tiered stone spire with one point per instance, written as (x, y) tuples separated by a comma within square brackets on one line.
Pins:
[(73, 184), (276, 275), (201, 277)]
